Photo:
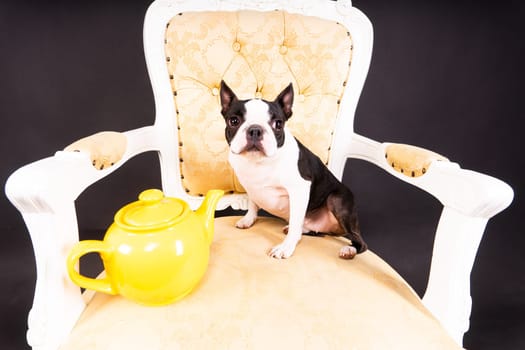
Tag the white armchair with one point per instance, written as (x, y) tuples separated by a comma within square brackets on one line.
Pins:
[(324, 49)]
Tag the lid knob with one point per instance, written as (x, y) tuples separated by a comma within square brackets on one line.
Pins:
[(151, 196)]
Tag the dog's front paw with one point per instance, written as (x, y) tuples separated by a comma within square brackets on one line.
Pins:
[(245, 222), (283, 250)]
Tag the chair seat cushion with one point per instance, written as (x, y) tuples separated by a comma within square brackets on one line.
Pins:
[(313, 300)]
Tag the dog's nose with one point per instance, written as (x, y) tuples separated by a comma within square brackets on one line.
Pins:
[(254, 132)]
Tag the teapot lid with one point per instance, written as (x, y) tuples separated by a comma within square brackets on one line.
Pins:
[(152, 211)]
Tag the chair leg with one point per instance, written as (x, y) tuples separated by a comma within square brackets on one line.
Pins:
[(57, 303), (448, 290)]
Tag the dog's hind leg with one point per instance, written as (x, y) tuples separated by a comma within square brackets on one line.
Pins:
[(343, 208)]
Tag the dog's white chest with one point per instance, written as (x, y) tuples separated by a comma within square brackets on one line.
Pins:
[(266, 180), (274, 200), (263, 183)]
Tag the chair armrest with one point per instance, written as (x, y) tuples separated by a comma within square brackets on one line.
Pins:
[(44, 192), (469, 192), (470, 199), (62, 177)]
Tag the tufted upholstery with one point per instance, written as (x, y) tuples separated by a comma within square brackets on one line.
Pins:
[(257, 54)]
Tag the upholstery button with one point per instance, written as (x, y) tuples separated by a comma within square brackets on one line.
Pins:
[(300, 98), (258, 94), (215, 91), (236, 46), (283, 50)]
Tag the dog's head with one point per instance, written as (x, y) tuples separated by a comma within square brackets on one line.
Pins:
[(255, 125)]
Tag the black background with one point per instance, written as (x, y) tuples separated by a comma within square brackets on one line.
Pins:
[(445, 75)]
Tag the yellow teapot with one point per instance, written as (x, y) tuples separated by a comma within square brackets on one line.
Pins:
[(155, 252)]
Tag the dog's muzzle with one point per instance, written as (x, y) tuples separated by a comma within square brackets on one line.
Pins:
[(254, 138), (254, 133)]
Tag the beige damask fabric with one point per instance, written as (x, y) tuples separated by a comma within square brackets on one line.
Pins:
[(257, 54), (411, 160)]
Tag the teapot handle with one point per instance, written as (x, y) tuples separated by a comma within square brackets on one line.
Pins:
[(80, 249)]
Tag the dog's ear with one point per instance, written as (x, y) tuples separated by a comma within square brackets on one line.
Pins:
[(285, 100), (227, 97)]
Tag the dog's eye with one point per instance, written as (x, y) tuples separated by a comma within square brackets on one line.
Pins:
[(278, 124), (234, 121)]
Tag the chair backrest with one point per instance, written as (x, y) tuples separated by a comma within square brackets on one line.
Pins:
[(322, 47)]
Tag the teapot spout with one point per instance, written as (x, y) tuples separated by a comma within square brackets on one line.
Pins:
[(206, 212)]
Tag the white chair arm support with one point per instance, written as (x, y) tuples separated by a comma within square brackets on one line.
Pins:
[(44, 192), (470, 199), (448, 289)]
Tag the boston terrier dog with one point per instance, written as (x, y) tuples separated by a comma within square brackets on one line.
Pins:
[(283, 177)]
